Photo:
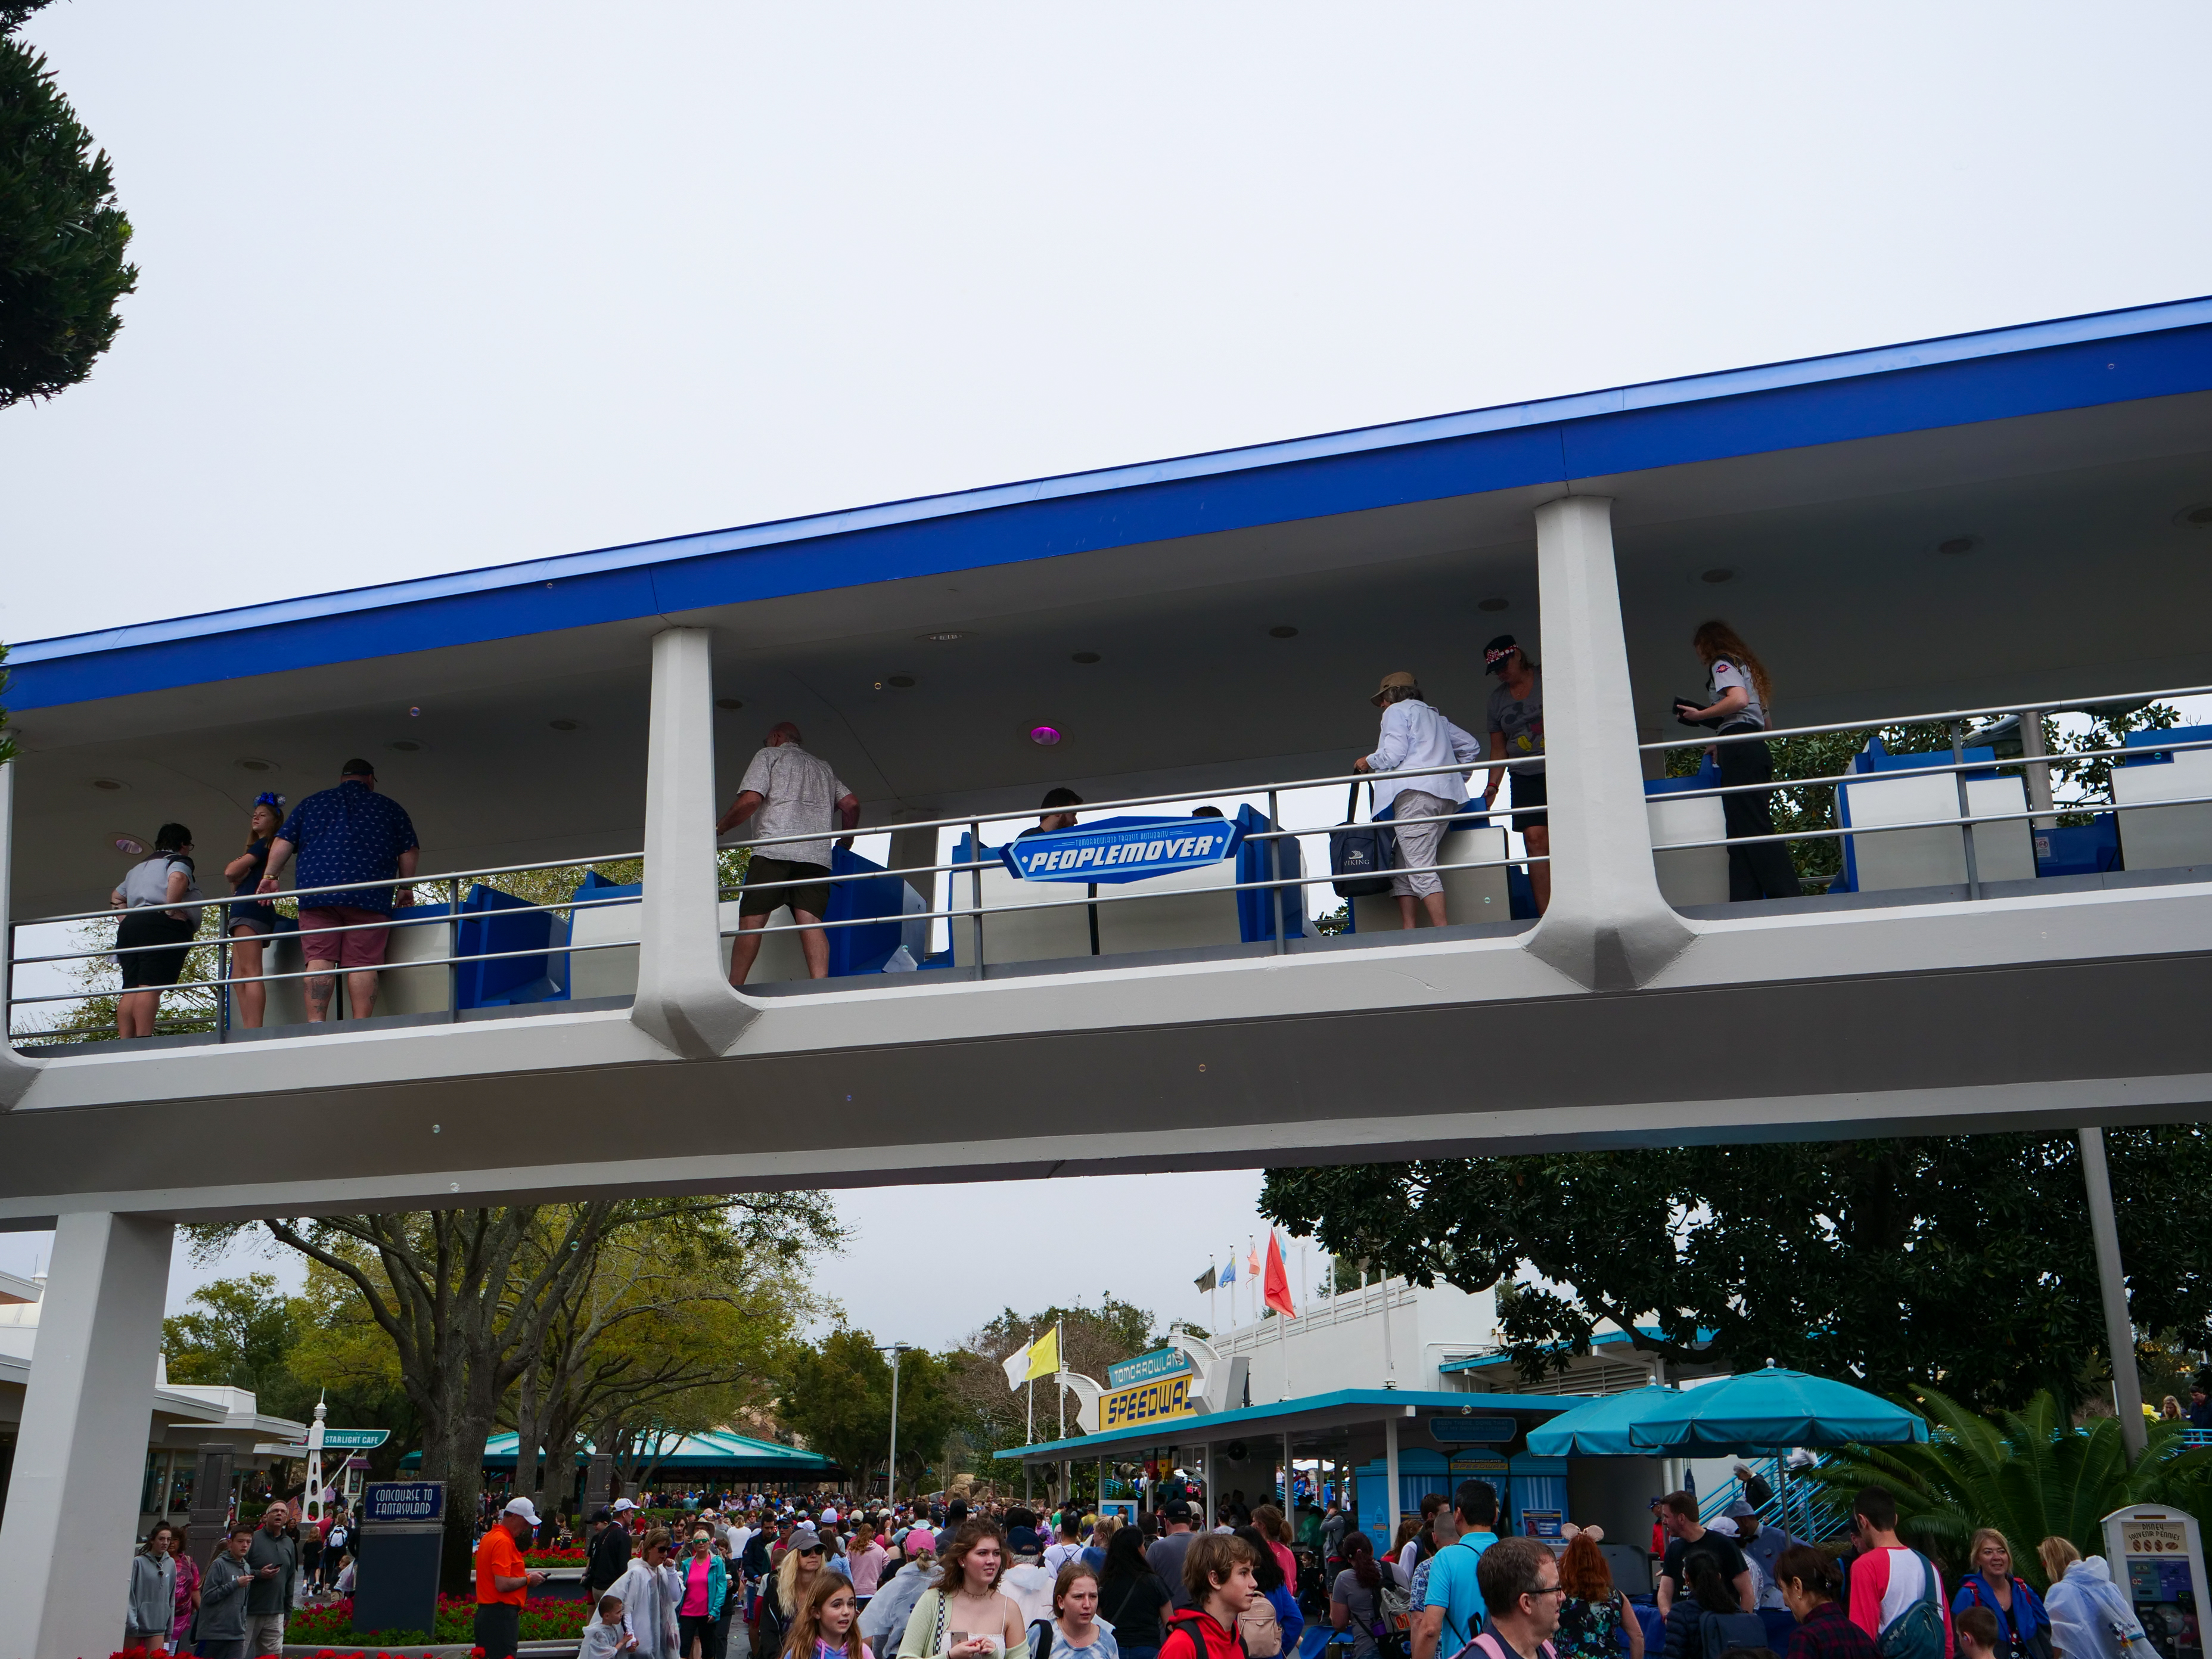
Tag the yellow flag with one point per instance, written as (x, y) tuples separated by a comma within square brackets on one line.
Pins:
[(1045, 1354)]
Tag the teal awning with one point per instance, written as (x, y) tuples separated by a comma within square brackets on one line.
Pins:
[(1774, 1408), (1599, 1427), (716, 1450)]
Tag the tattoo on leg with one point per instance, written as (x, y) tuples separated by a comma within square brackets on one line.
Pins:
[(319, 993)]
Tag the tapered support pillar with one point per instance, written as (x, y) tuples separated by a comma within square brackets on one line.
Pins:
[(73, 1495), (2112, 1292), (1607, 926), (684, 995), (16, 1072)]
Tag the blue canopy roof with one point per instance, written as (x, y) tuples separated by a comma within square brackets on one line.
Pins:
[(1599, 1427), (717, 1448), (1774, 1408)]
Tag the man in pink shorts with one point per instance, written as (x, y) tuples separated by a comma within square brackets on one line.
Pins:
[(345, 835)]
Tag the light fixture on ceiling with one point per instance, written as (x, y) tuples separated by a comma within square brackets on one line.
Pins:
[(899, 682), (254, 763), (1086, 657), (1045, 735), (109, 784), (565, 724), (1282, 631), (2196, 517), (405, 746), (131, 845), (1490, 605), (945, 636), (1958, 545), (729, 703), (1716, 575)]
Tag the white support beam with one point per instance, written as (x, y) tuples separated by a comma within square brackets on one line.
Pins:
[(17, 1074), (684, 999), (73, 1494), (1607, 926)]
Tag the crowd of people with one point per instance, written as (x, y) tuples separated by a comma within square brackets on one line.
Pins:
[(350, 834)]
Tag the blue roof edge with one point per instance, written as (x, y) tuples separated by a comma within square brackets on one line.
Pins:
[(1612, 449)]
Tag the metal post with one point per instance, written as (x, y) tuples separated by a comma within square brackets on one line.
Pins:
[(453, 950), (1391, 1501), (976, 891), (1965, 829), (2111, 1282), (890, 1473), (1277, 898), (2038, 769)]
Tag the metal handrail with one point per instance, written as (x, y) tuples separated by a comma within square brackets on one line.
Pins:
[(2041, 706), (2066, 758), (1924, 823)]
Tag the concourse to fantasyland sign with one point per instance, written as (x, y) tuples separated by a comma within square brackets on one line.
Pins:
[(1123, 849)]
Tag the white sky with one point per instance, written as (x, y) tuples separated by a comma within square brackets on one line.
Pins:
[(429, 287)]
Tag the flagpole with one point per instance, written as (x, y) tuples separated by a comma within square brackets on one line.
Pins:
[(1059, 1393), (1213, 1297), (1028, 1388)]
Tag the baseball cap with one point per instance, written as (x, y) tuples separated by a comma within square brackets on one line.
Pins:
[(1739, 1508), (919, 1541), (621, 1504), (1721, 1525), (356, 768), (1400, 681), (1178, 1510), (1494, 653), (523, 1507), (804, 1538)]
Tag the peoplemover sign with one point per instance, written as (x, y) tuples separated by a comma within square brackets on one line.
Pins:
[(1123, 849)]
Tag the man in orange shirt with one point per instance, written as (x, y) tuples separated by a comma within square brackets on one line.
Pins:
[(503, 1579)]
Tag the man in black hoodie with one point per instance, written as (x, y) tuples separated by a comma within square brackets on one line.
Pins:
[(609, 1557)]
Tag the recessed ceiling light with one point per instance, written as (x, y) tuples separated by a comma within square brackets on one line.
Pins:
[(900, 681), (565, 726), (404, 746), (1043, 734), (1283, 631), (946, 636), (109, 784), (1717, 574), (1085, 657), (131, 845), (1955, 544), (729, 703), (250, 764), (2196, 517), (1490, 605)]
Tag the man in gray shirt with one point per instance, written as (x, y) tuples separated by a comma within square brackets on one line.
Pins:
[(795, 794), (1166, 1554), (275, 1561)]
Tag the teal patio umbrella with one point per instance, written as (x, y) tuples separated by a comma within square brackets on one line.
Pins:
[(1599, 1427), (1770, 1409)]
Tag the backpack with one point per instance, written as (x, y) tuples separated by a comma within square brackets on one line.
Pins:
[(1918, 1633), (1041, 1639), (1719, 1632), (1182, 1624), (1260, 1631)]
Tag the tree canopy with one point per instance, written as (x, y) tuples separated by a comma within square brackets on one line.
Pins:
[(63, 238), (1963, 1260), (837, 1396)]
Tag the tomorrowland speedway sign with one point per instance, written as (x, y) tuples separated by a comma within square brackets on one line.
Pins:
[(1123, 849)]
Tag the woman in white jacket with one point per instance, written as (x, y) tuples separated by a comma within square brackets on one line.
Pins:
[(651, 1589), (2090, 1619)]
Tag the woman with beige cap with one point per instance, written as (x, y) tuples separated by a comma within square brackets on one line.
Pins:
[(1415, 734)]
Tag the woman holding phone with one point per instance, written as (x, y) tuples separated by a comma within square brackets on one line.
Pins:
[(966, 1616), (1740, 698), (250, 926)]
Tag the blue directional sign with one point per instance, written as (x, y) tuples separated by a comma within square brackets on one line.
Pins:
[(1123, 849)]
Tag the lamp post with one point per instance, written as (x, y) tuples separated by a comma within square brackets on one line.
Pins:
[(891, 1469)]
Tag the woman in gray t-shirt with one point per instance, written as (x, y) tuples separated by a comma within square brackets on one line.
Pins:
[(1355, 1601), (155, 931)]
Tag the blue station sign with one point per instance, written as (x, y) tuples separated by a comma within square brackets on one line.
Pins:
[(1123, 849), (403, 1500)]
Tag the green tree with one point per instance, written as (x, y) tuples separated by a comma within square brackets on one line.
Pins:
[(239, 1332), (989, 1416), (837, 1396), (2031, 1473), (61, 236), (1964, 1260), (467, 1298)]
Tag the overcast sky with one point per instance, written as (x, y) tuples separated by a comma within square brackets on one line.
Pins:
[(426, 288)]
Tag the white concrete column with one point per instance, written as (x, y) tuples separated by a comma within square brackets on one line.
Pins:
[(684, 1000), (80, 1453), (1390, 1500), (17, 1074), (1607, 926)]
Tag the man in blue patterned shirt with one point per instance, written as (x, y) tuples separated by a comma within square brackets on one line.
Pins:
[(347, 833)]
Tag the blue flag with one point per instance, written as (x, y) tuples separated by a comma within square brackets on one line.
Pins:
[(1229, 1272)]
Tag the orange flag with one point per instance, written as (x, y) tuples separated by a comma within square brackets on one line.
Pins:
[(1277, 1284)]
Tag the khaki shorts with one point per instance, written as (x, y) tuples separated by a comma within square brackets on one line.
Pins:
[(1417, 842)]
